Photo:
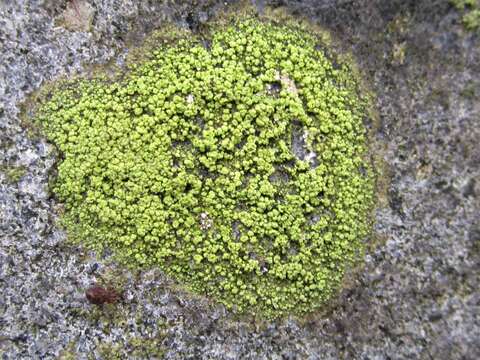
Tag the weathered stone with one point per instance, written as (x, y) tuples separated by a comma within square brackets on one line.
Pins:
[(417, 295)]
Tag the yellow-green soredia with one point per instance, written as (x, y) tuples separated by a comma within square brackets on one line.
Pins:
[(238, 166)]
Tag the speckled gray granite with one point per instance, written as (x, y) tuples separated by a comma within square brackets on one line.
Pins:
[(417, 296)]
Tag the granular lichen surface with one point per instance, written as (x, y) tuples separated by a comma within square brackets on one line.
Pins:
[(238, 166)]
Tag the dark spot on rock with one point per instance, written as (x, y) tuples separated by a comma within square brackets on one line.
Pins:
[(192, 22), (274, 88), (20, 338), (93, 268), (469, 189), (99, 295), (435, 316), (207, 44), (340, 326), (396, 202)]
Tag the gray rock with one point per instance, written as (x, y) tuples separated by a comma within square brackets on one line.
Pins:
[(416, 296)]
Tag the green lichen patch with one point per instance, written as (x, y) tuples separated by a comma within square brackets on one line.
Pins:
[(470, 10), (13, 173), (236, 165), (133, 347)]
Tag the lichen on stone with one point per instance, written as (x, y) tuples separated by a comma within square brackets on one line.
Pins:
[(13, 173), (190, 163), (470, 10)]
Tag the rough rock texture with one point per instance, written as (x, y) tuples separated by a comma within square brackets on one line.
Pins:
[(417, 296)]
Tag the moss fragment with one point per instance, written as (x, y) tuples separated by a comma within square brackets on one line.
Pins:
[(13, 173)]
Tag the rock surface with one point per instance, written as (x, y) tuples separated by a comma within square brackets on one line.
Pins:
[(417, 296)]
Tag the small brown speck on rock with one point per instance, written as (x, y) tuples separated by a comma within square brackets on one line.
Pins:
[(98, 295)]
